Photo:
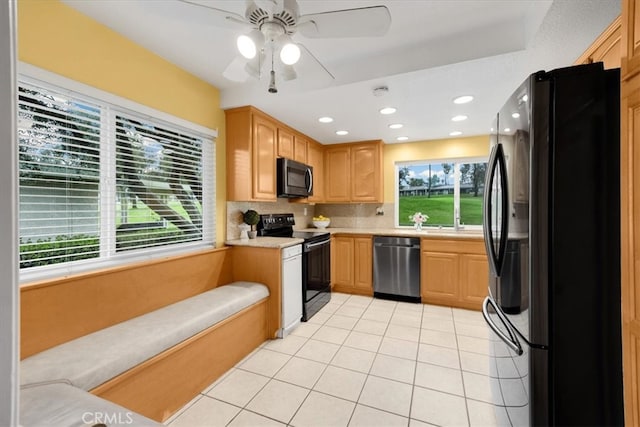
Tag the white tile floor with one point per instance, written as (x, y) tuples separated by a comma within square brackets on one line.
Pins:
[(361, 362)]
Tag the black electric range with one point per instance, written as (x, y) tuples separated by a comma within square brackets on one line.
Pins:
[(316, 259)]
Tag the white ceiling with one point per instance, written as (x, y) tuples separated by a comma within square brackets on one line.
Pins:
[(433, 52)]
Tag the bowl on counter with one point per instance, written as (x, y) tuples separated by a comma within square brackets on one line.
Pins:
[(321, 224)]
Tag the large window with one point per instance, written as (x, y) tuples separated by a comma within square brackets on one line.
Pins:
[(98, 180), (450, 192)]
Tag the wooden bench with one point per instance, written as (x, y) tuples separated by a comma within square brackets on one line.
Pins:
[(153, 362)]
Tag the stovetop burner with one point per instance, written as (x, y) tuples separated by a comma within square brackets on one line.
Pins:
[(281, 225)]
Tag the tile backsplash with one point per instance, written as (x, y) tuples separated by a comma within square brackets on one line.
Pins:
[(363, 215), (236, 209)]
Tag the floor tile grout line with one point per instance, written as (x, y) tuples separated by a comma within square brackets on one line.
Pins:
[(376, 353), (464, 386)]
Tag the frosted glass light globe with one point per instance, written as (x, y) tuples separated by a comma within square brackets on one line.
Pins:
[(290, 53)]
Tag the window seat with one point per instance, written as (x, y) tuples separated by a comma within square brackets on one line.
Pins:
[(59, 404), (140, 363)]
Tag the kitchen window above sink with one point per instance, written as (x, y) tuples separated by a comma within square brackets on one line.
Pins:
[(449, 191)]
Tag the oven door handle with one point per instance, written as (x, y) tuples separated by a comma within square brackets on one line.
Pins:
[(313, 245)]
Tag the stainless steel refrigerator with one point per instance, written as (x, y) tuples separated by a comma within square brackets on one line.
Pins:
[(552, 232)]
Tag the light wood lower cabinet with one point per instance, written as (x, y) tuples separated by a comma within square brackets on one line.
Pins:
[(352, 264), (454, 273)]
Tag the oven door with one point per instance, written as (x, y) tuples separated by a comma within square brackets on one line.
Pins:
[(316, 276)]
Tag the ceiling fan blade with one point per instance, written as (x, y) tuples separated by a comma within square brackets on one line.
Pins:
[(287, 72), (236, 71), (361, 22), (215, 16)]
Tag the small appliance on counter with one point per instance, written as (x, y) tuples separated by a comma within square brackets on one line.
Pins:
[(316, 259)]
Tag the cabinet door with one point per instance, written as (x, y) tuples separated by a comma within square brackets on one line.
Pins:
[(315, 159), (439, 277), (630, 210), (342, 261), (365, 173), (299, 149), (474, 279), (263, 166), (607, 48), (285, 143), (630, 39), (363, 265), (337, 174)]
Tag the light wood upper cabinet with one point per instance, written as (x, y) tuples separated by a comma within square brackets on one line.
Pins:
[(251, 155), (337, 174), (607, 48), (354, 173), (285, 143), (263, 168), (254, 140), (454, 272), (300, 149), (352, 264), (315, 159), (630, 39), (630, 209)]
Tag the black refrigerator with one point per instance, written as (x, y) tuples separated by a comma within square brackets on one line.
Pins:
[(552, 234)]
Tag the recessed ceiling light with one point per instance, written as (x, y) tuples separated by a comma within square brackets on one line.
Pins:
[(388, 110), (507, 129), (458, 118), (515, 115), (342, 132), (402, 138), (463, 99), (325, 119), (455, 133), (396, 126), (525, 98)]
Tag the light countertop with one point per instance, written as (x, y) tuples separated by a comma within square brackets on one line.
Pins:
[(266, 242), (406, 232)]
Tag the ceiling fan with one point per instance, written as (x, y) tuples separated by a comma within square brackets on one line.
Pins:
[(271, 24)]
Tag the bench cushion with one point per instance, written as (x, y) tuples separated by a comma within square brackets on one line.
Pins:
[(89, 361), (61, 405)]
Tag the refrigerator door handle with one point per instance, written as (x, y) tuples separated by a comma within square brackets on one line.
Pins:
[(495, 255), (510, 340)]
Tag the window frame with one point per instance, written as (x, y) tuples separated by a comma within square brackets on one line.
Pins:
[(457, 161), (113, 105)]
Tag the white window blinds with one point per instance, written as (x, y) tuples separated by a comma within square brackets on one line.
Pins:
[(97, 180)]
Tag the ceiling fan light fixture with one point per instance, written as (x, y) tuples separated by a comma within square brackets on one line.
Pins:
[(290, 53), (249, 44)]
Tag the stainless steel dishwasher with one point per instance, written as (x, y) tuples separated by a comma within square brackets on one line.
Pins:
[(396, 268)]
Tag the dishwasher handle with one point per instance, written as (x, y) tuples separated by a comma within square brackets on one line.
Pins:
[(395, 245)]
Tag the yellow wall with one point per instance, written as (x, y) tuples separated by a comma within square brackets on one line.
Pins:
[(59, 39), (477, 146)]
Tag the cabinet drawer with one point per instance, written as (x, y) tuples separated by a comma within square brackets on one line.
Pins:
[(460, 246)]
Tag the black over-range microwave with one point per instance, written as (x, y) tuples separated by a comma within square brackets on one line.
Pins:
[(295, 179)]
